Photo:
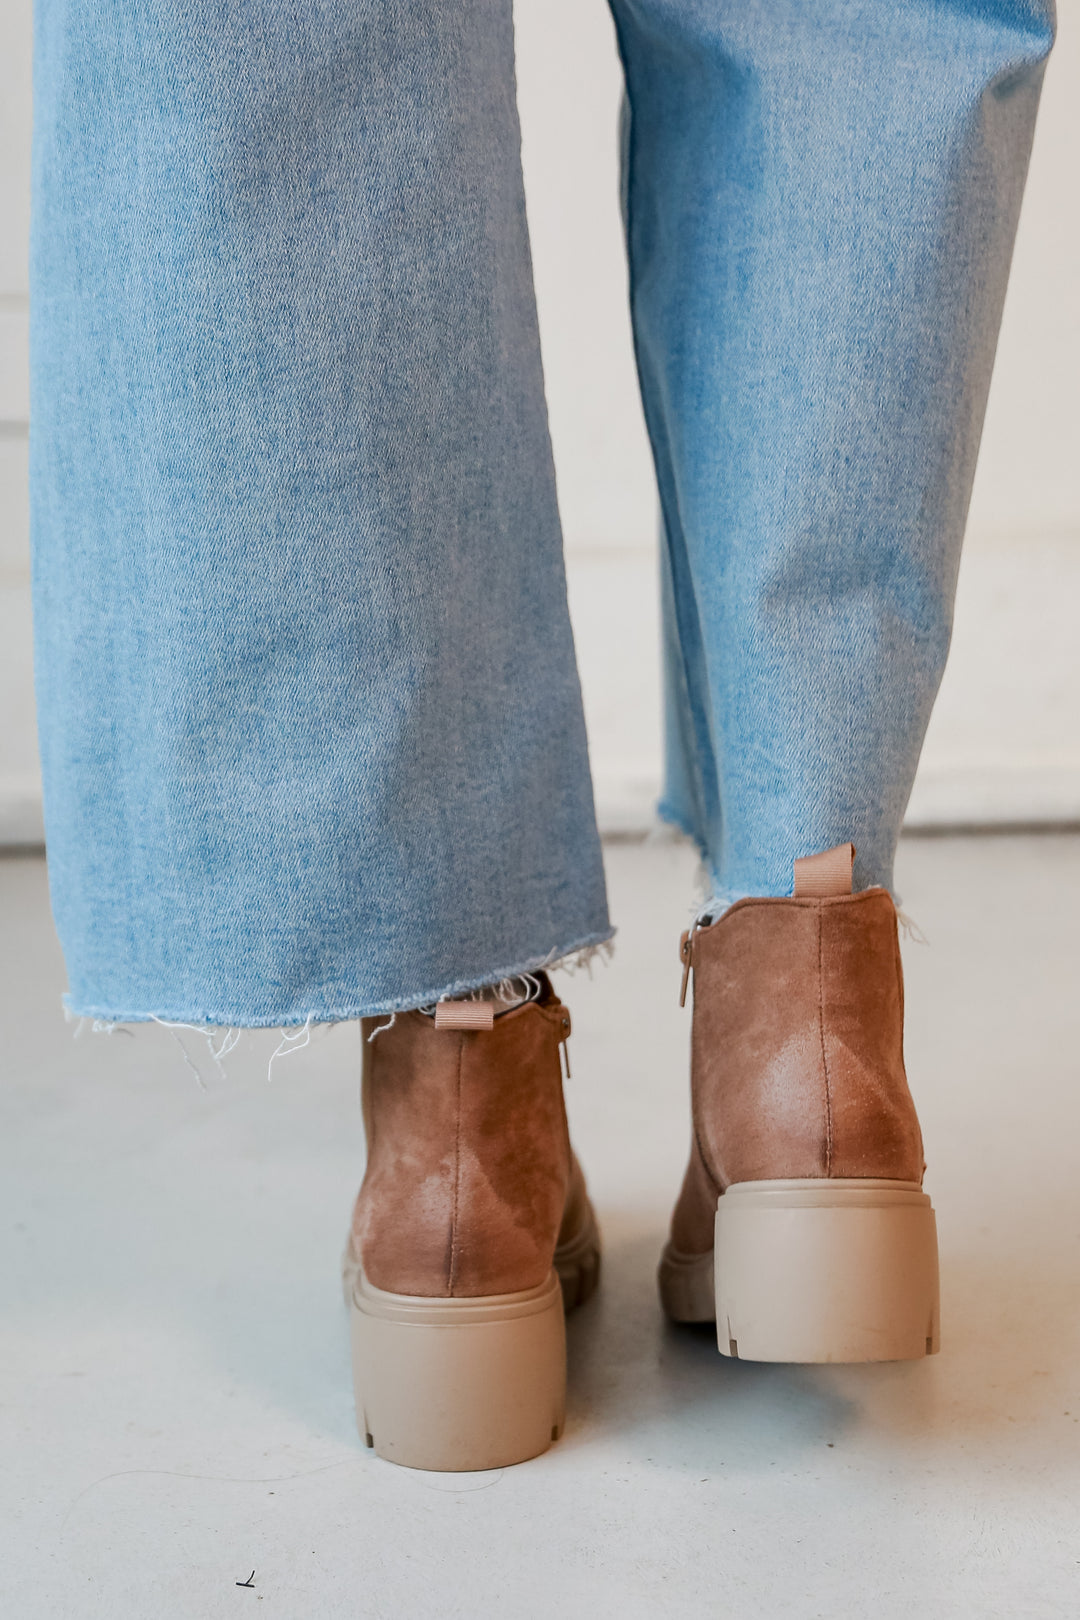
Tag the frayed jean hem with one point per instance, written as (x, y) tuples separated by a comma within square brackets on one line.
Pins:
[(578, 952)]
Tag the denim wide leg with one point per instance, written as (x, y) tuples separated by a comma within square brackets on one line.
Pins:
[(310, 723), (821, 198), (310, 720)]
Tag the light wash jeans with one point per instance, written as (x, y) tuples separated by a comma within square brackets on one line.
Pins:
[(310, 721)]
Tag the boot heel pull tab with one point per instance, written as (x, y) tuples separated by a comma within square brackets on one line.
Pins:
[(824, 876), (464, 1014), (686, 955)]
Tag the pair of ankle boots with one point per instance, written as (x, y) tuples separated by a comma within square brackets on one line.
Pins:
[(801, 1229)]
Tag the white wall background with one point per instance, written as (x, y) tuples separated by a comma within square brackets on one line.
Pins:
[(1004, 744)]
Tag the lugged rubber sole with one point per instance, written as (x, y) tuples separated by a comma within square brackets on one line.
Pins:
[(462, 1384), (577, 1262), (687, 1285), (826, 1270), (459, 1384)]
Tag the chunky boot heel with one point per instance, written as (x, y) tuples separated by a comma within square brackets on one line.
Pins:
[(815, 1270), (459, 1384)]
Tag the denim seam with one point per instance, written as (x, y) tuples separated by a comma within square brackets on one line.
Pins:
[(673, 817), (658, 434)]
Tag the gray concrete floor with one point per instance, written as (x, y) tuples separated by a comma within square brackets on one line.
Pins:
[(175, 1406)]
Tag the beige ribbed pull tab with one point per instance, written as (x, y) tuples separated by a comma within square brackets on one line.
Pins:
[(686, 956), (821, 877), (464, 1014)]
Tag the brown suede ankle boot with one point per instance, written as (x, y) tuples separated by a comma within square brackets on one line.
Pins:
[(801, 1226), (471, 1230)]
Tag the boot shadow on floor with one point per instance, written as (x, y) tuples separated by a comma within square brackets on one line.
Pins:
[(666, 1393)]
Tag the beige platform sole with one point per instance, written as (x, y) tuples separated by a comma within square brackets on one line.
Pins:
[(458, 1384), (463, 1384), (687, 1285), (811, 1271)]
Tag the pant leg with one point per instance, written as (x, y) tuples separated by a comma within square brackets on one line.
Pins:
[(821, 202), (310, 722)]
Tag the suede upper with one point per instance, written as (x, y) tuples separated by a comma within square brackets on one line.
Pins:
[(469, 1167), (797, 1065)]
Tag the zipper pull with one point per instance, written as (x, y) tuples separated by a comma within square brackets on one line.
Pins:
[(564, 1040), (686, 956)]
